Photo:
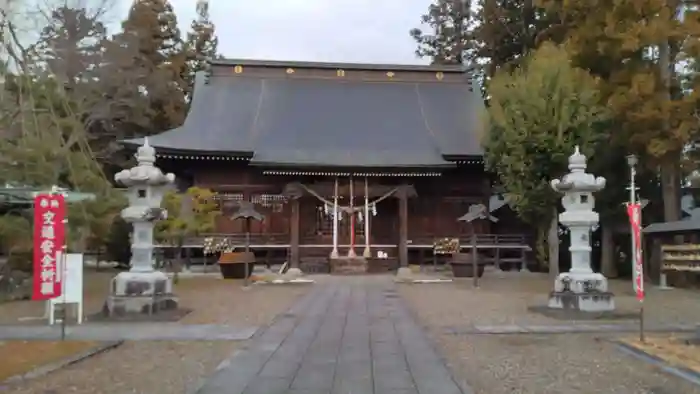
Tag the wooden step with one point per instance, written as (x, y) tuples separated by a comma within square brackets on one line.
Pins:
[(348, 266)]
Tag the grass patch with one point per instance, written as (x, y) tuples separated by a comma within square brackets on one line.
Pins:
[(673, 350), (21, 357)]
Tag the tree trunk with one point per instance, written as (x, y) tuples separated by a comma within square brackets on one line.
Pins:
[(188, 258), (608, 262), (177, 267), (553, 244), (670, 181), (670, 166), (541, 246)]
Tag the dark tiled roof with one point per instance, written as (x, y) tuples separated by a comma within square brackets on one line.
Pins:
[(329, 122), (335, 66), (680, 226), (220, 120)]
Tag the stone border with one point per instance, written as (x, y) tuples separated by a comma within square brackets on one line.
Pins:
[(680, 372), (65, 362), (514, 329), (285, 282)]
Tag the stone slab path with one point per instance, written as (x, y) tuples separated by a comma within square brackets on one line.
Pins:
[(344, 337), (130, 332)]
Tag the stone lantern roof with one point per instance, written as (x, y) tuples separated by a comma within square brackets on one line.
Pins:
[(578, 180)]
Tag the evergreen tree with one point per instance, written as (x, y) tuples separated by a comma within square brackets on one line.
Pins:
[(505, 31), (152, 44), (537, 113), (634, 47), (449, 41), (70, 46), (201, 44)]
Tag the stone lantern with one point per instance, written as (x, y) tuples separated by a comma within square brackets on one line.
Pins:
[(142, 289), (580, 288)]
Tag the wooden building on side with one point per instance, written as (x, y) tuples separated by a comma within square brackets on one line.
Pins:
[(394, 149)]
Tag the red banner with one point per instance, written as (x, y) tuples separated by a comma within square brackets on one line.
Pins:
[(49, 239), (634, 211)]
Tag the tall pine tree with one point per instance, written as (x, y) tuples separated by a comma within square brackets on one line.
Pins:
[(151, 39), (201, 44), (70, 45), (449, 40), (505, 31), (634, 48)]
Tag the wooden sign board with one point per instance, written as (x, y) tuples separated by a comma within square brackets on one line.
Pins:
[(685, 258), (71, 269)]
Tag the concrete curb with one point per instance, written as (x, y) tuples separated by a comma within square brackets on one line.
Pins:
[(559, 329), (681, 372), (51, 367)]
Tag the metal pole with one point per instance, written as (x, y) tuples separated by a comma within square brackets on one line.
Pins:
[(631, 160)]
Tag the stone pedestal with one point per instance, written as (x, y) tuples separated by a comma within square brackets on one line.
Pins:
[(293, 273), (140, 293), (348, 265), (404, 273), (585, 292)]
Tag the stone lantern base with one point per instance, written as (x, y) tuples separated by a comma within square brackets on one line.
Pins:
[(142, 293), (584, 292)]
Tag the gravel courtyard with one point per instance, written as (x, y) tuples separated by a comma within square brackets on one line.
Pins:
[(491, 364), (170, 367), (540, 364)]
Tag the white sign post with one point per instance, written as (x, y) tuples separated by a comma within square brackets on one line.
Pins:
[(71, 276)]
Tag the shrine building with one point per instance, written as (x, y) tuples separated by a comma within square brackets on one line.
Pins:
[(341, 159)]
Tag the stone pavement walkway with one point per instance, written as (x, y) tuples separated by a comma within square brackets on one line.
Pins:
[(344, 337)]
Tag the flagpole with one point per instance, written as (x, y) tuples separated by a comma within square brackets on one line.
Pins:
[(632, 162), (634, 231)]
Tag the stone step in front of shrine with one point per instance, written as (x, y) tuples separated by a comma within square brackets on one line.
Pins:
[(348, 265)]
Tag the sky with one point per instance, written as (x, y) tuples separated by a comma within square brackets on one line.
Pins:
[(362, 31)]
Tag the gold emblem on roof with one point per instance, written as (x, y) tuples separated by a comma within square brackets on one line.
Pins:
[(439, 75), (238, 69), (290, 71), (340, 73), (390, 74)]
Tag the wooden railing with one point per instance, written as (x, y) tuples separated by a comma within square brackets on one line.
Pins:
[(239, 239), (481, 240), (279, 240)]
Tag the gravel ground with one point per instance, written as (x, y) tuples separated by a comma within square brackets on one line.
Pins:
[(95, 289), (539, 364), (504, 300), (168, 367), (554, 364)]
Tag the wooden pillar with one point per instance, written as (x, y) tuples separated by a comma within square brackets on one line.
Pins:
[(403, 227), (294, 233)]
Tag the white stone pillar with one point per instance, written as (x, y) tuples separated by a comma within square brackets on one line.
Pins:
[(334, 252), (351, 251), (367, 253)]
